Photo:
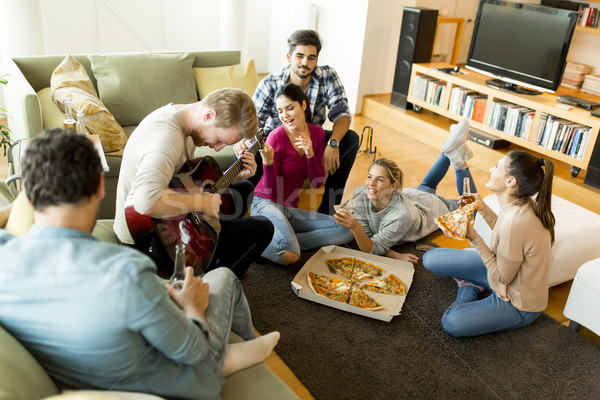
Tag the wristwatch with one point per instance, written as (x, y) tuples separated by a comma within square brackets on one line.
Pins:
[(333, 143)]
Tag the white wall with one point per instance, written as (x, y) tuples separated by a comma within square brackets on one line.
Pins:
[(360, 37), (343, 37), (381, 47)]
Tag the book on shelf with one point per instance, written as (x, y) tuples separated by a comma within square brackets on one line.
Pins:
[(479, 108), (591, 84), (588, 16), (527, 124), (574, 74), (429, 89), (540, 129), (456, 96), (562, 136)]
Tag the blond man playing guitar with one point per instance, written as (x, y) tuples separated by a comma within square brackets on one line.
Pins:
[(163, 145)]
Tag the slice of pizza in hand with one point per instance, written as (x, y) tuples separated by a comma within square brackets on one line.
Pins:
[(391, 284), (358, 298), (454, 224)]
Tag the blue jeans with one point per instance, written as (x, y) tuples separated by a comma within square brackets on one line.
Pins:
[(469, 315), (297, 229), (437, 172), (228, 311)]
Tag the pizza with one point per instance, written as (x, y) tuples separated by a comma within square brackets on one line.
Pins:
[(454, 224), (342, 291), (343, 266), (353, 269), (358, 298), (321, 283), (391, 284)]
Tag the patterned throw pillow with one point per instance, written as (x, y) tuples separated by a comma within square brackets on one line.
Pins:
[(70, 80)]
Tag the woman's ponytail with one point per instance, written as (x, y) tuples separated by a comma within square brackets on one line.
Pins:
[(534, 175)]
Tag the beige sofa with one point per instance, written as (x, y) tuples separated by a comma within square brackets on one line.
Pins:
[(23, 378), (30, 109)]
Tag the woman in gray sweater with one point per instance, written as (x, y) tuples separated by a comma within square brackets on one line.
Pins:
[(384, 214)]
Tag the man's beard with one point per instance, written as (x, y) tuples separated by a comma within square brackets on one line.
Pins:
[(300, 74)]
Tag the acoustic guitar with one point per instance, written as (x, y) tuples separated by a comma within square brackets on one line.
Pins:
[(199, 233)]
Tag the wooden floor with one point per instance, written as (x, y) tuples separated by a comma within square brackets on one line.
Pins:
[(413, 141)]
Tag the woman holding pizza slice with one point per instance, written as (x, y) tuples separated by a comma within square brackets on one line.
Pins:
[(384, 214), (294, 152), (515, 267)]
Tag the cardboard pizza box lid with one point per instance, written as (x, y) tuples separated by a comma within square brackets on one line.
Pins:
[(392, 303)]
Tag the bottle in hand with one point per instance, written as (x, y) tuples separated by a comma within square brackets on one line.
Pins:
[(467, 197), (176, 280)]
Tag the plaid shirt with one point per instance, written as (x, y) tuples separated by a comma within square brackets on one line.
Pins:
[(325, 90)]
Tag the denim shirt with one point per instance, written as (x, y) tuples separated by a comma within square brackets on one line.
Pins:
[(95, 315)]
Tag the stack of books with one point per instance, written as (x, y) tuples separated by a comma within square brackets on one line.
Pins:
[(591, 84), (511, 119), (429, 89), (563, 136), (574, 75), (588, 16)]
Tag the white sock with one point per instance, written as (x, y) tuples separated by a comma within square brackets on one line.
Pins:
[(246, 354)]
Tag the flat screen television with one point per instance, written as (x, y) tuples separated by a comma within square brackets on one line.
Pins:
[(521, 45)]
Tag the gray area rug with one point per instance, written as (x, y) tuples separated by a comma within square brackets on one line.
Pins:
[(338, 355)]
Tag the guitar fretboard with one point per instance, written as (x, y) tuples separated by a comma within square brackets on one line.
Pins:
[(233, 171)]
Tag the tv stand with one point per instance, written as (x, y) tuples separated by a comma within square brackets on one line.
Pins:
[(468, 95), (511, 87)]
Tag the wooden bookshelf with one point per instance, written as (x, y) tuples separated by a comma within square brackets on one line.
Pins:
[(587, 29), (540, 104)]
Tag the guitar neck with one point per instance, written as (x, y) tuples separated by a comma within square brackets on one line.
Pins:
[(233, 171)]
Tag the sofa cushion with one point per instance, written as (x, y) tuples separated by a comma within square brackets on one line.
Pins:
[(240, 76), (21, 216), (70, 80), (52, 115), (21, 376), (134, 85)]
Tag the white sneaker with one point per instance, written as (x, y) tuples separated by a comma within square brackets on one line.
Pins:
[(458, 157), (458, 136)]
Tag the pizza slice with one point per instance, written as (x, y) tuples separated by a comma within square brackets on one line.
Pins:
[(391, 284), (358, 298), (343, 266), (332, 288), (363, 269), (454, 224)]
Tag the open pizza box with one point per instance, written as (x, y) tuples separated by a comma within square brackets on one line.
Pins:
[(392, 304)]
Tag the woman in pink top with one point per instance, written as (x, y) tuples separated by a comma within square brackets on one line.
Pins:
[(292, 153), (515, 267)]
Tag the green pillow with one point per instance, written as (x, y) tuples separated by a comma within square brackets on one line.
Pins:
[(239, 76), (133, 85)]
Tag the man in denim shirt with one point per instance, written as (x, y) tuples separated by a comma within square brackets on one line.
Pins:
[(324, 90), (94, 314)]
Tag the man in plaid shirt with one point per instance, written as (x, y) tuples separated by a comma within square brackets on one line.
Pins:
[(324, 90)]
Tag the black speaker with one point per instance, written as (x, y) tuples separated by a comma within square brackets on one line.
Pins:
[(416, 45), (592, 176)]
